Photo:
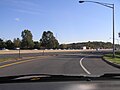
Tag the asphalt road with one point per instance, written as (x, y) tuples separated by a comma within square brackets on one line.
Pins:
[(64, 63)]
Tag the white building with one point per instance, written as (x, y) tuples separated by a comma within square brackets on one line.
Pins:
[(84, 48)]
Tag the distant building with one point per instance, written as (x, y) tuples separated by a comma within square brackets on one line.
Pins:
[(84, 48)]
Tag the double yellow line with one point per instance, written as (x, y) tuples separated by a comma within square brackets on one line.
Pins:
[(19, 62)]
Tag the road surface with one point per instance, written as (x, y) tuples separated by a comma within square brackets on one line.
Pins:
[(87, 63)]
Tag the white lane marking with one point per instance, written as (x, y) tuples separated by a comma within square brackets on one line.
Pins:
[(83, 66)]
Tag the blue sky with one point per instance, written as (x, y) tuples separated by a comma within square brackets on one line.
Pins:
[(67, 19)]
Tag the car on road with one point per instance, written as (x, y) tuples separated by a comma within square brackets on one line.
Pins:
[(60, 82), (97, 49), (59, 45)]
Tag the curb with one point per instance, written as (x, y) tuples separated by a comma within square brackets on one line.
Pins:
[(111, 63)]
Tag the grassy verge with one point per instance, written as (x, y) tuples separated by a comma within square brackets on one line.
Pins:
[(7, 59), (14, 58), (110, 58)]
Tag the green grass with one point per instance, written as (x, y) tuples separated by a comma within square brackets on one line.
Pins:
[(110, 58)]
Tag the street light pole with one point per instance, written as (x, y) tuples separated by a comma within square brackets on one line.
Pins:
[(113, 35), (112, 7)]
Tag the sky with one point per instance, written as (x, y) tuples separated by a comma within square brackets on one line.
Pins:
[(69, 20)]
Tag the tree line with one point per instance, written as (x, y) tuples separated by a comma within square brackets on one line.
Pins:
[(88, 45), (48, 41)]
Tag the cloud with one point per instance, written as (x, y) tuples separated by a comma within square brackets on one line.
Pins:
[(26, 11), (17, 19), (25, 7), (21, 3)]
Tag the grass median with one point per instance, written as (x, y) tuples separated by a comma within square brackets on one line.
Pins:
[(7, 59), (110, 58)]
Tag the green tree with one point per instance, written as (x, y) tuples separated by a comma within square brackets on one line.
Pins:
[(16, 42), (2, 44), (49, 41), (27, 41), (9, 44), (36, 45), (63, 46)]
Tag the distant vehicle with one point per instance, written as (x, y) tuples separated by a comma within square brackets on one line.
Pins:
[(97, 49), (17, 48), (2, 48), (35, 49)]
